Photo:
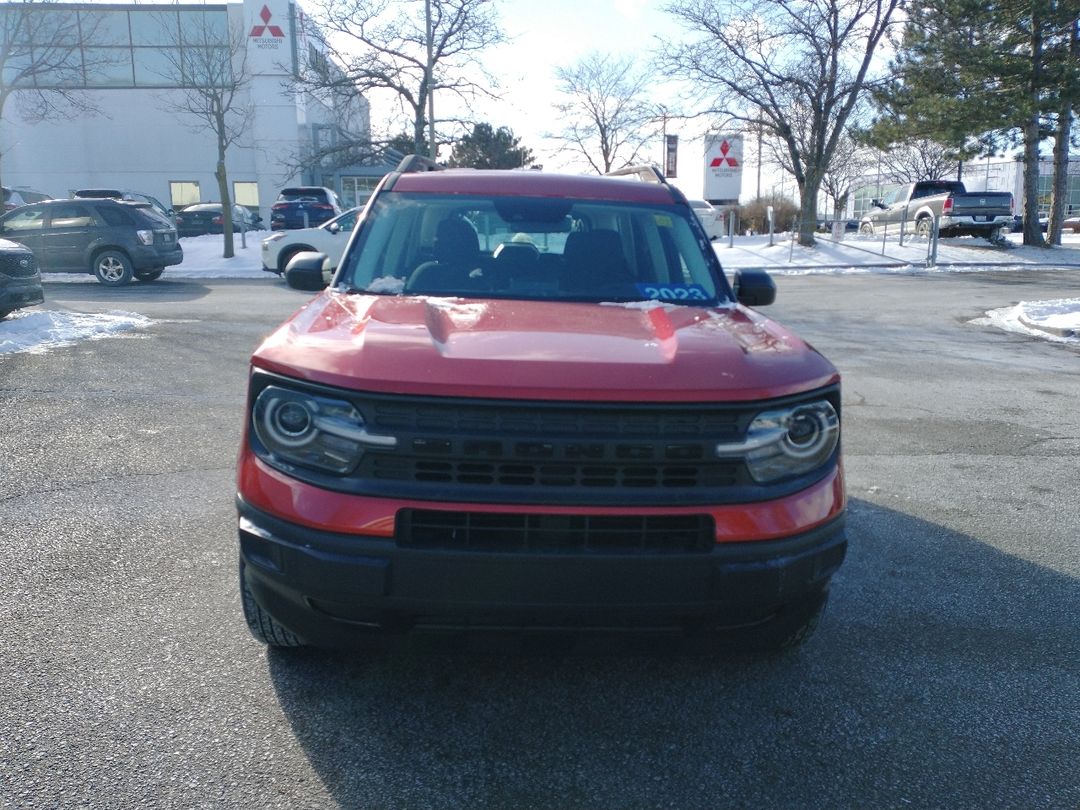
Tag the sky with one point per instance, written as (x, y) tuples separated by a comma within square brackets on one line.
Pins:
[(557, 33), (45, 328)]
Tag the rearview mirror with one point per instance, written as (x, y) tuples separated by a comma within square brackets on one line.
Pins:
[(305, 271), (754, 288)]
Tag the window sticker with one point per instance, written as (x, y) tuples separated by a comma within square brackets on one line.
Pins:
[(663, 221), (673, 292)]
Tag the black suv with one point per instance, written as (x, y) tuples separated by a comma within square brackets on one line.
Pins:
[(114, 240), (20, 281), (303, 207)]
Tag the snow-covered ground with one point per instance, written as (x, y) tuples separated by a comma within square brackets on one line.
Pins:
[(39, 329)]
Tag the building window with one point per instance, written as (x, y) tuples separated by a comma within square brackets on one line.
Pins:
[(157, 67), (184, 192), (154, 28), (356, 190), (246, 194)]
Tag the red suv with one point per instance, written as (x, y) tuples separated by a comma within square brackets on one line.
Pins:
[(530, 400)]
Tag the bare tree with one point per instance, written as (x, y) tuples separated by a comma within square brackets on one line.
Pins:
[(921, 159), (41, 59), (397, 46), (800, 66), (847, 166), (213, 78), (607, 118)]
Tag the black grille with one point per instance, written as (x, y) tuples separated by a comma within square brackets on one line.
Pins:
[(500, 419), (518, 474), (17, 264), (567, 450), (484, 531)]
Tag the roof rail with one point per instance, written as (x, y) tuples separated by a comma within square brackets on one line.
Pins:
[(418, 163), (645, 172)]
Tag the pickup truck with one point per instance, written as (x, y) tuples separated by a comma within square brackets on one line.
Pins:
[(963, 213)]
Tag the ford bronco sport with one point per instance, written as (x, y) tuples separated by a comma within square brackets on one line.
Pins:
[(535, 401)]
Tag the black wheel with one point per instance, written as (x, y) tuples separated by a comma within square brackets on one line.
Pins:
[(112, 268), (286, 256), (866, 229), (923, 227), (149, 275), (789, 627), (262, 625)]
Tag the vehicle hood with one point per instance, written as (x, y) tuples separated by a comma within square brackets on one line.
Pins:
[(645, 351)]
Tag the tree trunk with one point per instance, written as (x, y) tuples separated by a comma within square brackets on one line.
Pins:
[(1032, 230), (808, 194), (1059, 192), (226, 205), (1032, 132)]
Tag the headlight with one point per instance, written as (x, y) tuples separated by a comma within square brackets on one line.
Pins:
[(787, 441), (310, 430)]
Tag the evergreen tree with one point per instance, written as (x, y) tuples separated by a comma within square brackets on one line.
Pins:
[(489, 148), (981, 75)]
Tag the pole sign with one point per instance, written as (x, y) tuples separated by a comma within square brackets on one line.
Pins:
[(671, 151), (723, 166)]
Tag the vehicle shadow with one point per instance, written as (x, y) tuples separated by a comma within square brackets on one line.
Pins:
[(163, 290), (942, 675)]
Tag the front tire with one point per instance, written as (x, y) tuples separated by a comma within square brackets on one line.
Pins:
[(149, 275), (262, 625), (286, 257), (866, 229), (112, 268)]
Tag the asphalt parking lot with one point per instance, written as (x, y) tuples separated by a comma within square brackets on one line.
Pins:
[(944, 673)]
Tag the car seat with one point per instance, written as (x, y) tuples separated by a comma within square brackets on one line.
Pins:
[(594, 261), (457, 264)]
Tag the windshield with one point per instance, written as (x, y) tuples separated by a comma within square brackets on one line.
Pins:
[(531, 248)]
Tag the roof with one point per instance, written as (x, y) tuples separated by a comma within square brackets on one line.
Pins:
[(528, 183)]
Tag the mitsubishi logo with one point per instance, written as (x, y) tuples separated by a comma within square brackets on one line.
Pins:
[(725, 147), (259, 30)]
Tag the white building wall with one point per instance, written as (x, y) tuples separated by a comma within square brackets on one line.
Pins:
[(139, 141)]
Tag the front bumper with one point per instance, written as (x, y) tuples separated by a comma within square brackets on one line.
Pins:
[(330, 588), (16, 293)]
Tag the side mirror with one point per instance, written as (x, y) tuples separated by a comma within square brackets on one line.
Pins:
[(754, 288), (305, 271), (334, 228), (878, 203)]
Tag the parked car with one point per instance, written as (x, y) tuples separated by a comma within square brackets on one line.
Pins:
[(131, 196), (20, 280), (1071, 224), (981, 213), (12, 198), (303, 207), (15, 197), (711, 219), (329, 238), (114, 240), (826, 225), (536, 400), (203, 218)]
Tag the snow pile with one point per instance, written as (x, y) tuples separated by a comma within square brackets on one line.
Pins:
[(38, 331), (1057, 320)]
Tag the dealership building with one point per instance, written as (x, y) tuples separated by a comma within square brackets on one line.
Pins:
[(128, 63)]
